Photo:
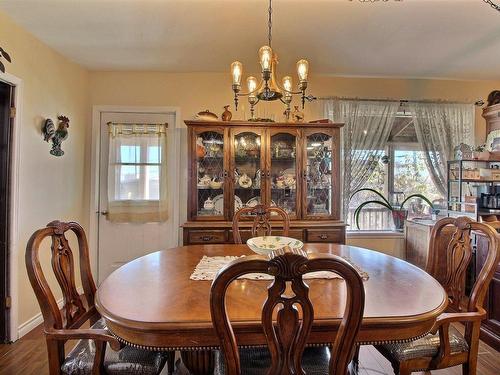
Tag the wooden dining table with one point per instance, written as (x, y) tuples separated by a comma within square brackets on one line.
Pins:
[(152, 303)]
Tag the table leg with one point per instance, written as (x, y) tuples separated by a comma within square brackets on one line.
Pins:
[(199, 362)]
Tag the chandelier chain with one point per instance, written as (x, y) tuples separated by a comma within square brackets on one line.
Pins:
[(492, 4), (270, 23)]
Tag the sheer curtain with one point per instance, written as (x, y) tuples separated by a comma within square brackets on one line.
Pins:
[(439, 128), (137, 173), (365, 134)]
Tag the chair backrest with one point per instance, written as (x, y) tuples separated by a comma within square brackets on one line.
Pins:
[(261, 221), (74, 311), (458, 257), (287, 337)]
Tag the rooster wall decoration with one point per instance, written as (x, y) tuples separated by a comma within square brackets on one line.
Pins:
[(6, 57), (56, 135)]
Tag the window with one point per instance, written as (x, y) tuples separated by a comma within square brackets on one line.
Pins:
[(137, 173), (402, 171), (138, 170)]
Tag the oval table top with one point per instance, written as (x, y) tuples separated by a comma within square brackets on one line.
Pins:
[(151, 301)]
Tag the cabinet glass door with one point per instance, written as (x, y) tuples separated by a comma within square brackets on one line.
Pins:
[(318, 167), (284, 170), (248, 164), (209, 173)]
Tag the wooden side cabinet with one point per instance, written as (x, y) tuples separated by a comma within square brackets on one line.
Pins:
[(233, 164), (490, 328)]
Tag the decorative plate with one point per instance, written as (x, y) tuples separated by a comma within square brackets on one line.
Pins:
[(219, 204), (265, 244), (238, 204), (253, 201), (244, 181)]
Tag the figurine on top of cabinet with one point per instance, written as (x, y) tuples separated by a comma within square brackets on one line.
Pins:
[(297, 115), (226, 115)]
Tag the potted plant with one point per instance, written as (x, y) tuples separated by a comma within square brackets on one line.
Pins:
[(399, 213), (481, 153)]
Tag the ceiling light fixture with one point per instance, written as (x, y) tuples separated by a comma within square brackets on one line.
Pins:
[(268, 89), (492, 4)]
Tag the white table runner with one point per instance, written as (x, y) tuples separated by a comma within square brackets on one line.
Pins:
[(208, 267)]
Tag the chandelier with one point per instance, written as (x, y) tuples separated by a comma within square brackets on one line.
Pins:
[(269, 89)]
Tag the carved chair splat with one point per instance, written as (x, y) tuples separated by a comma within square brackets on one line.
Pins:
[(287, 336), (446, 347), (61, 325), (261, 221)]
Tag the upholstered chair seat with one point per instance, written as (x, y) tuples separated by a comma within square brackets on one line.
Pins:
[(98, 351), (256, 361), (447, 347), (427, 346), (128, 360)]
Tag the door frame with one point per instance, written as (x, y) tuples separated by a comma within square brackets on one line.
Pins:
[(13, 255), (97, 111)]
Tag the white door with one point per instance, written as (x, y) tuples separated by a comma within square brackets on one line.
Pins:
[(119, 243)]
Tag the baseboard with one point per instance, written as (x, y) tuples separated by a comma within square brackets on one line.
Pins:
[(35, 321)]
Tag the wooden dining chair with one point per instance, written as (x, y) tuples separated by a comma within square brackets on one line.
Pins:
[(261, 221), (90, 355), (445, 346), (287, 316)]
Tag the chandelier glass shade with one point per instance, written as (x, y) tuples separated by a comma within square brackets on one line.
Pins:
[(269, 88)]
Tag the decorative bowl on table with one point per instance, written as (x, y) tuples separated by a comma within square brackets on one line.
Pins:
[(265, 244)]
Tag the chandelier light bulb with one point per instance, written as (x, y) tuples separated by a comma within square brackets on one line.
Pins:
[(265, 57), (251, 84), (236, 71), (287, 83), (302, 69)]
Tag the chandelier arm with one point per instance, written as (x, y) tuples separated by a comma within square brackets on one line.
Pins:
[(270, 23), (287, 91), (492, 4)]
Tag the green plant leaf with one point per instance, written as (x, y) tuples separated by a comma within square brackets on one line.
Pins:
[(417, 196), (360, 207), (373, 191)]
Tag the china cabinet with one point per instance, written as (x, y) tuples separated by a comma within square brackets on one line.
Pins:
[(235, 164)]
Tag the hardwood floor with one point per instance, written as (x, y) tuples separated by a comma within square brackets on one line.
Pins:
[(29, 356)]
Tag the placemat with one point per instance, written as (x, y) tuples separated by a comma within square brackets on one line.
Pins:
[(208, 267)]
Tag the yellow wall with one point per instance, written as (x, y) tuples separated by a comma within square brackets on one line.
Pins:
[(193, 92), (49, 187)]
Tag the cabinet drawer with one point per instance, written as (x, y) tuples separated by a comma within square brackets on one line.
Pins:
[(298, 234), (325, 235), (207, 236)]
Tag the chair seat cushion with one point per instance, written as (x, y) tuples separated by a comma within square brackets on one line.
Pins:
[(127, 361), (427, 346), (255, 361)]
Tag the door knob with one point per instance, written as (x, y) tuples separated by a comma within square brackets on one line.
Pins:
[(103, 213)]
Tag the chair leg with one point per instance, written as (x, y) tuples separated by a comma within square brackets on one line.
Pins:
[(171, 362), (355, 359), (403, 369)]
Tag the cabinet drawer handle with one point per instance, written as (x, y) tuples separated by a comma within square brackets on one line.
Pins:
[(206, 238), (323, 236)]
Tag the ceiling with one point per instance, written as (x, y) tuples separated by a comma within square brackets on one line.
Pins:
[(458, 39)]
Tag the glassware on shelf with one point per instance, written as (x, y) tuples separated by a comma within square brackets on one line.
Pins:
[(247, 164), (210, 173), (284, 171), (319, 174)]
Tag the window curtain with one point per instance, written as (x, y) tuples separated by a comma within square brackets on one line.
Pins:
[(439, 128), (137, 173), (367, 126)]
